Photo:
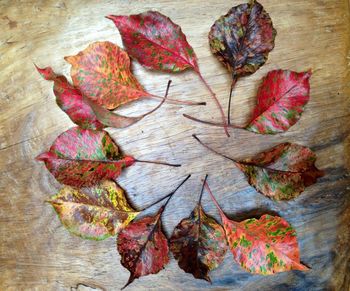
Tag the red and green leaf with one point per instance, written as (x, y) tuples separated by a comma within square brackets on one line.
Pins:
[(262, 246), (83, 157), (243, 38), (280, 101), (93, 213), (198, 243), (280, 173), (143, 246), (283, 172), (102, 73), (155, 41), (84, 112)]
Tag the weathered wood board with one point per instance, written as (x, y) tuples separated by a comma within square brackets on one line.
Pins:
[(37, 253)]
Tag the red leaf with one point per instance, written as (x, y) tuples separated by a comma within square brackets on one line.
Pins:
[(262, 246), (83, 157), (159, 44), (155, 41), (281, 100), (84, 112), (243, 38), (102, 73)]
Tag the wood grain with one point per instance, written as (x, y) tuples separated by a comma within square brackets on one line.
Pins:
[(37, 253)]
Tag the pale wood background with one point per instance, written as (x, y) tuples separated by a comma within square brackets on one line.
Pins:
[(37, 253)]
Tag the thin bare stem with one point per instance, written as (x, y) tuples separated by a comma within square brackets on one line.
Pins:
[(200, 196), (229, 102), (158, 163), (178, 102), (216, 101), (213, 198), (212, 123)]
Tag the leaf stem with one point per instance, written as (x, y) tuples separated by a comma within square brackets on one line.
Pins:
[(214, 151), (229, 102), (216, 101), (178, 102), (213, 198), (158, 163), (200, 196), (212, 123)]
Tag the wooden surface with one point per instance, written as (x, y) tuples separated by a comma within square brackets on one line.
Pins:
[(36, 252)]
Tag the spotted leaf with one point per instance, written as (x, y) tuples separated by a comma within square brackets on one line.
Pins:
[(93, 213), (198, 244), (143, 247), (83, 157), (155, 41), (83, 111), (262, 246), (102, 73), (283, 172), (280, 101), (243, 38)]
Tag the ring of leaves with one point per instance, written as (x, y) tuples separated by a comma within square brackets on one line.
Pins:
[(87, 160)]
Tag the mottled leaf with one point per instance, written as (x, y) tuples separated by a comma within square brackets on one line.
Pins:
[(198, 243), (243, 38), (83, 157), (82, 111), (262, 246), (155, 41), (283, 172), (280, 101), (93, 213), (102, 73)]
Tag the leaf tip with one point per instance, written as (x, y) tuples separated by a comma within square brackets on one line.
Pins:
[(43, 157)]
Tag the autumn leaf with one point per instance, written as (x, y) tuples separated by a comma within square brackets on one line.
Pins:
[(159, 44), (198, 243), (143, 246), (93, 213), (280, 101), (84, 112), (243, 38), (83, 157), (280, 173), (262, 246)]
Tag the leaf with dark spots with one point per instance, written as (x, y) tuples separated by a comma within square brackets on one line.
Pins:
[(143, 246), (155, 41), (102, 73), (159, 44), (280, 173), (83, 157), (93, 213), (280, 101), (243, 38), (262, 246), (198, 243), (83, 111)]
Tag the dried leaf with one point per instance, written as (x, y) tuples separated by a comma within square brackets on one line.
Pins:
[(280, 101), (243, 38), (155, 41), (93, 213), (83, 157), (102, 73), (262, 246), (82, 111), (198, 243), (283, 172)]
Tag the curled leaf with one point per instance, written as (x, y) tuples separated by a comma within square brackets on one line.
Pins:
[(155, 41), (93, 213), (262, 246), (280, 101), (102, 73), (243, 38), (83, 111), (83, 157), (283, 172)]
